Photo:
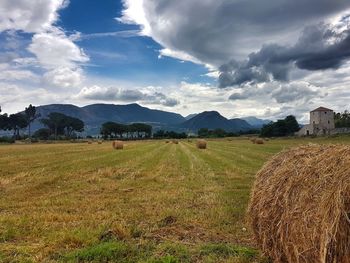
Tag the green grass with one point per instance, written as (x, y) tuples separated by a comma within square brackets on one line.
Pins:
[(151, 202)]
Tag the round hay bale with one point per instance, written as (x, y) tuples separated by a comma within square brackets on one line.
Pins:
[(167, 141), (99, 142), (300, 205), (175, 142), (118, 145), (89, 142), (253, 140), (201, 144), (259, 141)]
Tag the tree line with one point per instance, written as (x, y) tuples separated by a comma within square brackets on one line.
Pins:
[(280, 128), (18, 121), (56, 124), (342, 120), (110, 130)]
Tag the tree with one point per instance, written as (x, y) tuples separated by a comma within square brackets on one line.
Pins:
[(110, 129), (15, 122), (30, 113), (342, 120), (60, 124), (3, 120), (42, 134), (73, 125), (280, 128)]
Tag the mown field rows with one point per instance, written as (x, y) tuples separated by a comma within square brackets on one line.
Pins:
[(151, 202)]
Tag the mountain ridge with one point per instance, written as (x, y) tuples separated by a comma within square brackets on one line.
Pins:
[(94, 115)]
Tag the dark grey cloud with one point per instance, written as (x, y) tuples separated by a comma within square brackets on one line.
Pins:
[(279, 92), (319, 47), (127, 95), (213, 30)]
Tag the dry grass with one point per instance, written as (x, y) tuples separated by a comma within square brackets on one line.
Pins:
[(151, 202), (201, 144), (118, 145), (300, 205)]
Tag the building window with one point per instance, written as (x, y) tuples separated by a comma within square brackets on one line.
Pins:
[(313, 122), (325, 112), (329, 122)]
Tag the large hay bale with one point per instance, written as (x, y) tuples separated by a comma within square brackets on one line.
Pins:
[(118, 145), (253, 140), (201, 144), (300, 205), (175, 142), (259, 141)]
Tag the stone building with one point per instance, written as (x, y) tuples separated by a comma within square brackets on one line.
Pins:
[(321, 123)]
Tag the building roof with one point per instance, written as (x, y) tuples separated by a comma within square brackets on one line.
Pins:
[(321, 109)]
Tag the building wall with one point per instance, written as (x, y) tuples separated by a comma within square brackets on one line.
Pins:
[(323, 119), (321, 123)]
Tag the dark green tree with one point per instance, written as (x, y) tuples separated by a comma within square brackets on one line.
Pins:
[(3, 121), (61, 124), (342, 120), (31, 115), (42, 134), (280, 128), (16, 122)]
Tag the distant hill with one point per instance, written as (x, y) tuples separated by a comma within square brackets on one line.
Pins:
[(242, 124), (96, 114), (214, 120), (255, 122), (190, 116)]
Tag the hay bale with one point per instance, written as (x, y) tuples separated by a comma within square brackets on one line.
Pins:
[(99, 142), (300, 205), (259, 141), (175, 142), (201, 144), (89, 142), (253, 140), (118, 145), (167, 141)]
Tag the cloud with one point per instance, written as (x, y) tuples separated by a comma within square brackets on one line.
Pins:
[(14, 75), (64, 77), (52, 52), (55, 49), (120, 34), (281, 93), (29, 16), (212, 31), (147, 95), (319, 47)]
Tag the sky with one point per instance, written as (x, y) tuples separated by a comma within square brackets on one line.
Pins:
[(263, 58)]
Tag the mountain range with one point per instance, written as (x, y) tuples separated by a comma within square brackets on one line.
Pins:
[(96, 114)]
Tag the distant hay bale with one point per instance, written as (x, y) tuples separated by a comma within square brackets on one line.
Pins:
[(99, 142), (253, 140), (167, 141), (201, 144), (175, 142), (118, 145), (189, 140), (259, 141), (300, 205), (89, 142)]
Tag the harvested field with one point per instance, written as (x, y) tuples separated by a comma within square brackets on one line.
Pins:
[(151, 202)]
